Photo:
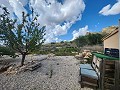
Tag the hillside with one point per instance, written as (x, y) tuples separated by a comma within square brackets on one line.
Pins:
[(109, 29)]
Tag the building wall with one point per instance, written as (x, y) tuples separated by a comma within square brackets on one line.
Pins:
[(112, 42)]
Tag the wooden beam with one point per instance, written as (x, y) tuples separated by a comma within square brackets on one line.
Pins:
[(117, 75)]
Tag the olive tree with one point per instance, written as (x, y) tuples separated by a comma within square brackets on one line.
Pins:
[(23, 37)]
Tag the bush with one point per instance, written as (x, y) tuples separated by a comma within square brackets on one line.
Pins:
[(90, 39), (64, 54), (7, 51), (65, 51)]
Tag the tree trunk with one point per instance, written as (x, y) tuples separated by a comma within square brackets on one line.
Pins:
[(23, 59)]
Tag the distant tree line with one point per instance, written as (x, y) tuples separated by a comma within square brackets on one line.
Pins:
[(90, 39)]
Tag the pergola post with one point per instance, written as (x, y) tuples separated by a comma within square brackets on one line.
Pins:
[(119, 54), (117, 79), (119, 36)]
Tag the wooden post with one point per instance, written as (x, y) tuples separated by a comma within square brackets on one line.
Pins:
[(119, 57), (117, 75), (119, 36), (117, 64), (102, 75)]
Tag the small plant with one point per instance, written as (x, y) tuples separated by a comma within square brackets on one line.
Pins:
[(7, 51)]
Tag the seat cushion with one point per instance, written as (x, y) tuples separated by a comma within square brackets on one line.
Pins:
[(86, 66), (89, 73)]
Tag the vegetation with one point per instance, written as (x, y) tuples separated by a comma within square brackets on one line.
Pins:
[(26, 37), (90, 42), (7, 51), (91, 39), (23, 37), (59, 49), (65, 51), (93, 48)]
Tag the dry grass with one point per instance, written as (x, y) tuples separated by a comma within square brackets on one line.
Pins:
[(93, 48)]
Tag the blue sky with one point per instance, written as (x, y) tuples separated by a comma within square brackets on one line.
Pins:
[(67, 19), (91, 17)]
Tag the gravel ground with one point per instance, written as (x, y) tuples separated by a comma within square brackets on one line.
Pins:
[(56, 73)]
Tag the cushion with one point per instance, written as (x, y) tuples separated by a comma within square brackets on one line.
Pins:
[(89, 73), (86, 66)]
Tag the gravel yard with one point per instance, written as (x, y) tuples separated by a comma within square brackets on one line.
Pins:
[(56, 73)]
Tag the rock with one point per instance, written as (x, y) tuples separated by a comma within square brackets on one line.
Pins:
[(109, 29), (22, 69), (86, 57), (51, 55), (86, 54), (79, 56), (12, 70), (89, 54)]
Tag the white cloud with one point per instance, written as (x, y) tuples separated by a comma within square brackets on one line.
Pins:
[(57, 17), (80, 32), (24, 2), (108, 10), (61, 30), (14, 6), (17, 8)]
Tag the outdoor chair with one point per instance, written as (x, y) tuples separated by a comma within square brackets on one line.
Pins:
[(90, 73), (89, 66)]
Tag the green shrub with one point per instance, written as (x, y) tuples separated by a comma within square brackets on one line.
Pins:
[(65, 52), (7, 51)]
